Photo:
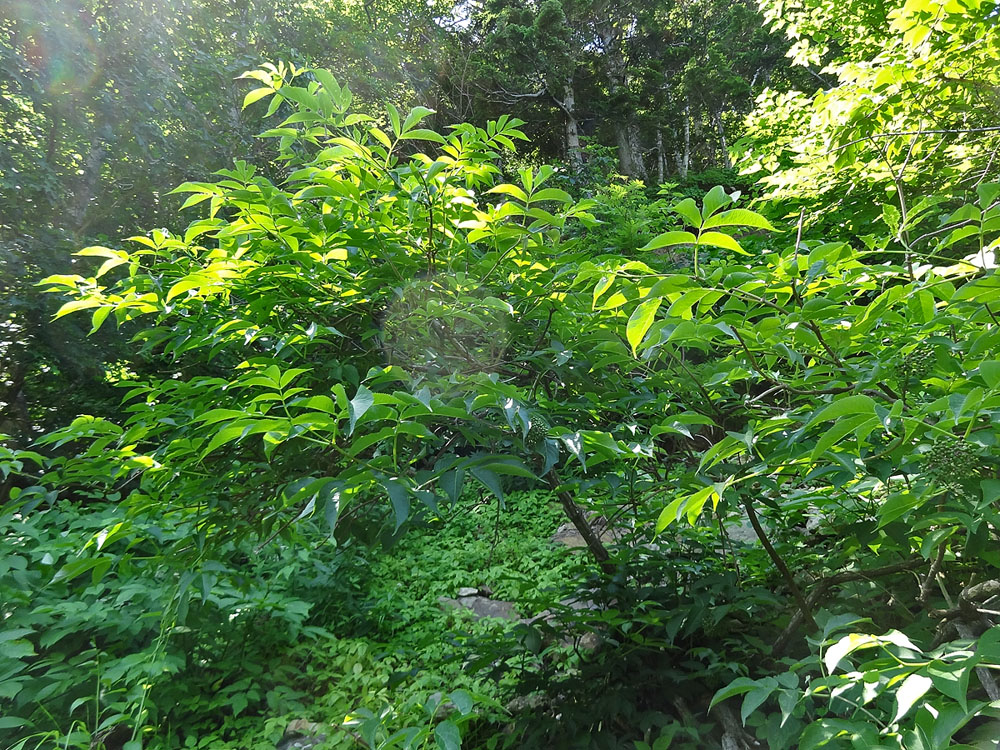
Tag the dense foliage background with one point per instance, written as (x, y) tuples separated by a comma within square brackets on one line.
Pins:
[(499, 374)]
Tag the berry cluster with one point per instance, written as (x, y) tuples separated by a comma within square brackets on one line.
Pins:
[(919, 363), (950, 461), (537, 433)]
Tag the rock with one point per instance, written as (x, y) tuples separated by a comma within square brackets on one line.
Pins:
[(301, 735), (482, 606), (300, 726), (527, 702), (568, 536), (301, 742), (742, 532), (580, 605), (467, 591)]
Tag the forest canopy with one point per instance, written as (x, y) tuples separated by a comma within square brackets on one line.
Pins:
[(499, 374)]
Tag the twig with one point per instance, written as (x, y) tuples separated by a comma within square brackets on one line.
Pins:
[(928, 582), (804, 607), (898, 134)]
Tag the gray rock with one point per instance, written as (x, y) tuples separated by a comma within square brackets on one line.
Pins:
[(301, 742), (568, 536), (482, 606), (467, 591), (580, 605), (301, 735), (742, 532)]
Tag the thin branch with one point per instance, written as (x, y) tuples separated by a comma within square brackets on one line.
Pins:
[(820, 587), (901, 133)]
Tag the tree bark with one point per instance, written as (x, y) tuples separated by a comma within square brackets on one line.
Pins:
[(683, 157), (574, 153), (87, 186), (577, 517), (629, 160), (659, 157), (723, 143)]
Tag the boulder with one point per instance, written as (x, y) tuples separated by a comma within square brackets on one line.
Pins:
[(301, 735), (482, 606), (568, 536)]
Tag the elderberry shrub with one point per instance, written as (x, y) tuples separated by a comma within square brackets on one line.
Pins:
[(919, 363), (951, 460)]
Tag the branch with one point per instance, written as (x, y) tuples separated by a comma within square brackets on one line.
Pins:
[(579, 520), (820, 587), (901, 133)]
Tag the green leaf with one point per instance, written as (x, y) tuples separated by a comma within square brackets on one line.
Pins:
[(990, 371), (77, 304), (988, 646), (414, 117), (451, 482), (847, 645), (363, 400), (912, 690), (394, 119), (689, 210), (380, 136), (739, 686), (99, 251), (194, 281), (462, 701), (841, 429), (399, 496), (718, 239), (489, 480), (952, 680), (602, 286), (512, 190), (821, 733), (858, 404), (512, 467), (669, 239), (753, 700), (640, 321), (332, 510), (238, 703), (256, 95), (420, 134), (738, 217), (715, 199), (551, 194), (898, 505), (447, 736), (98, 318), (301, 97), (327, 81)]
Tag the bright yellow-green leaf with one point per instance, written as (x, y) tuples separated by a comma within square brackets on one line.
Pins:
[(640, 321), (78, 304), (256, 95), (669, 239), (717, 239), (738, 217)]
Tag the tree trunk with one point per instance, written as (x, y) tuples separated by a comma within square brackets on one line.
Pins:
[(683, 157), (660, 159), (723, 143), (85, 191), (574, 154), (629, 160)]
